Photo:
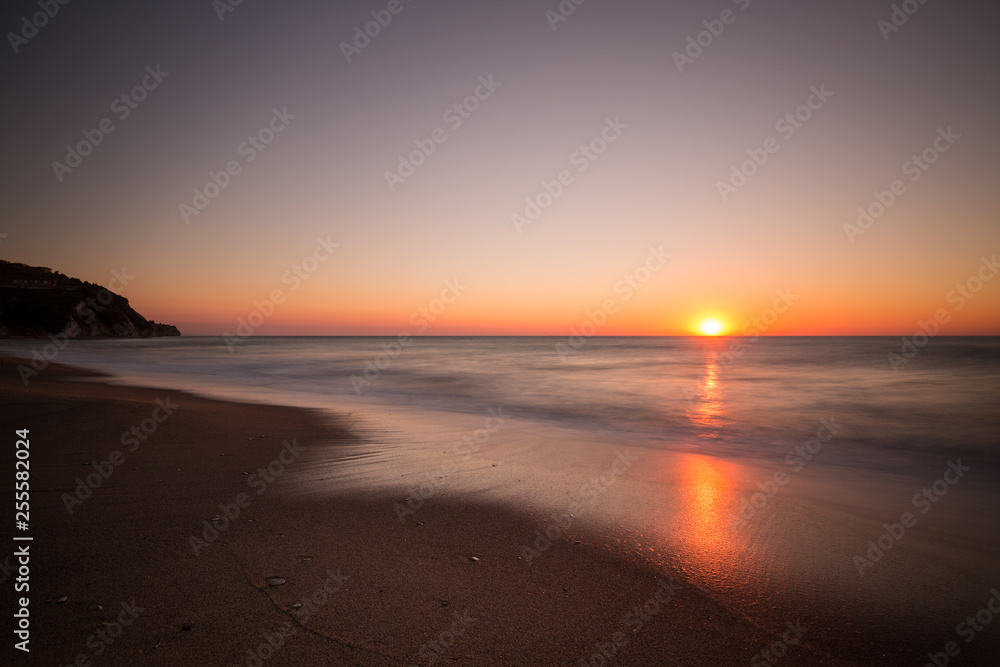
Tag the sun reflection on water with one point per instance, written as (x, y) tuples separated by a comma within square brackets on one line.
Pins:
[(709, 485), (708, 490), (708, 409)]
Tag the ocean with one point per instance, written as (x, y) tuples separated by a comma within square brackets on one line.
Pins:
[(677, 393), (775, 473)]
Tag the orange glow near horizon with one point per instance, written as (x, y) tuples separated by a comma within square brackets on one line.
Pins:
[(653, 239), (320, 309)]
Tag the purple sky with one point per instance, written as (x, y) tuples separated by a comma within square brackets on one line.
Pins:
[(621, 143)]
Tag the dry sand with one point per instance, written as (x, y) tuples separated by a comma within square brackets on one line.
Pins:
[(376, 592)]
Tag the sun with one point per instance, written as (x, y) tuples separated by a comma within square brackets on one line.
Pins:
[(710, 327)]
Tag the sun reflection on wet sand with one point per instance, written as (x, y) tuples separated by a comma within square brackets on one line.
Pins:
[(708, 540), (709, 485)]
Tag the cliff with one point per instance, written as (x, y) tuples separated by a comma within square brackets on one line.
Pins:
[(36, 301)]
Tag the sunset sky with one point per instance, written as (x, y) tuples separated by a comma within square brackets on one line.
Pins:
[(670, 130)]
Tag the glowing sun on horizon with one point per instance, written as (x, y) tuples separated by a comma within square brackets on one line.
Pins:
[(710, 327)]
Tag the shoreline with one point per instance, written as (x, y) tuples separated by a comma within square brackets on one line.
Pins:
[(191, 522)]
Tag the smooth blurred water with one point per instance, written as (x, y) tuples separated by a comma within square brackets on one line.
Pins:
[(709, 422), (692, 394)]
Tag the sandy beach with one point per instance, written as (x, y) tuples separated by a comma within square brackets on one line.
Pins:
[(591, 334), (135, 575)]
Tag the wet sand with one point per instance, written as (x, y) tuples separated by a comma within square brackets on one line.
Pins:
[(149, 578)]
